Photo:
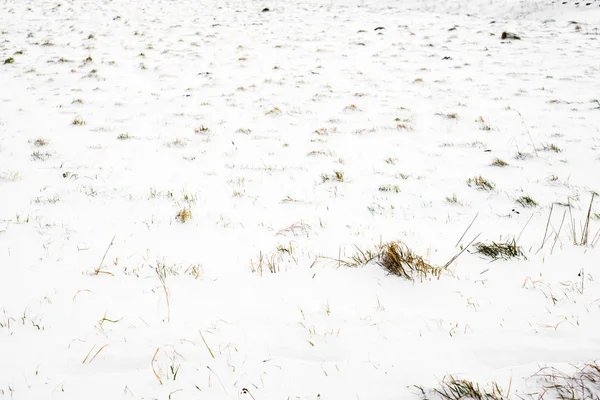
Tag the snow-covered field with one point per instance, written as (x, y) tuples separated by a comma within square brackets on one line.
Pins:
[(183, 183)]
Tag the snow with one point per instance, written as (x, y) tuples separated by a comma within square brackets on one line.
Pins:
[(241, 116)]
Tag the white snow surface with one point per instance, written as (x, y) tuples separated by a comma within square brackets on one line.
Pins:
[(243, 117)]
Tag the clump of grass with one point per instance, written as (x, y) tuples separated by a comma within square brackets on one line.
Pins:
[(320, 153), (78, 122), (452, 199), (245, 131), (526, 201), (40, 142), (583, 383), (449, 115), (398, 259), (404, 127), (551, 147), (9, 60), (500, 251), (201, 130), (177, 142), (274, 111), (499, 163), (184, 215), (483, 125), (461, 389), (391, 160), (336, 176), (481, 183), (351, 107), (394, 257), (123, 136), (389, 188), (40, 156)]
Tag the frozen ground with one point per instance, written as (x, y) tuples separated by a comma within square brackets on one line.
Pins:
[(115, 116)]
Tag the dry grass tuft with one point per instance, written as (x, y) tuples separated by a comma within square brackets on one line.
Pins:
[(499, 163), (459, 389), (184, 215), (78, 122), (526, 201), (201, 130), (583, 383), (500, 251), (551, 147), (481, 183), (398, 259)]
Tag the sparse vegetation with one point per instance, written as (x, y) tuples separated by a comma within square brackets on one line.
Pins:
[(499, 163), (396, 258), (41, 155), (461, 389), (9, 60), (452, 199), (484, 126), (389, 188), (581, 384), (551, 147), (201, 130), (274, 111), (336, 176), (526, 201), (40, 142), (481, 183), (184, 215), (500, 250), (78, 122)]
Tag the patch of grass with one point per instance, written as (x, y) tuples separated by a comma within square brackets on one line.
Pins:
[(462, 389), (78, 122), (452, 199), (551, 147), (320, 153), (40, 156), (351, 107), (394, 257), (391, 160), (274, 111), (582, 383), (201, 130), (336, 176), (389, 188), (124, 136), (40, 142), (499, 163), (522, 156), (448, 115), (481, 183), (483, 125), (500, 251), (245, 131), (526, 201), (9, 60), (184, 215), (177, 142), (398, 259)]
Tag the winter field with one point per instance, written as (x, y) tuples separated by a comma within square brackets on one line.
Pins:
[(323, 200)]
